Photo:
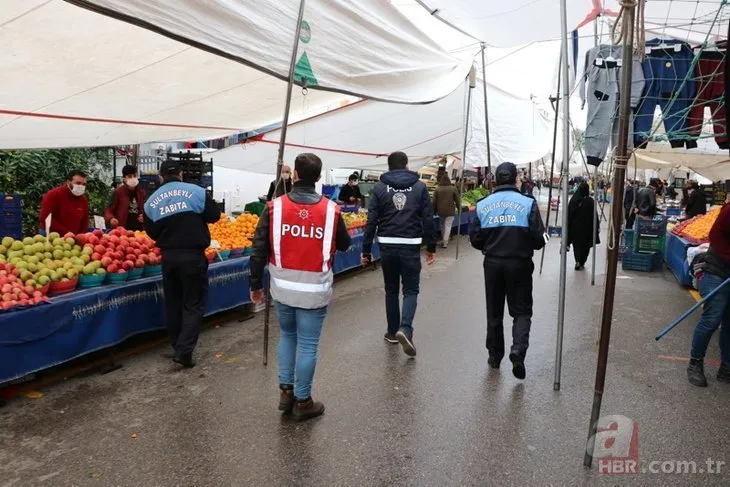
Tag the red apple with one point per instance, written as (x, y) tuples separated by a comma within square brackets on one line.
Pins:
[(37, 294), (9, 267), (114, 239), (127, 265), (139, 264), (131, 257), (99, 249), (112, 268), (96, 256), (25, 296), (121, 271), (105, 261), (29, 290), (98, 233), (69, 235), (144, 258), (82, 238)]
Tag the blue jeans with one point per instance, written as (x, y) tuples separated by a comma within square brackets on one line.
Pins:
[(401, 263), (298, 343), (714, 313)]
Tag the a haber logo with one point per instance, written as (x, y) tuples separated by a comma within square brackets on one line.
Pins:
[(616, 445)]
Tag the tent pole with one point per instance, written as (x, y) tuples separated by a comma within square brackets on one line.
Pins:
[(595, 185), (278, 191), (472, 84), (486, 113), (565, 177), (552, 157), (619, 177)]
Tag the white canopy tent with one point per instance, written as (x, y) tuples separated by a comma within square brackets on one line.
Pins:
[(73, 77)]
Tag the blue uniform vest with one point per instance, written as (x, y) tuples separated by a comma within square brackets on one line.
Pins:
[(173, 199), (505, 209)]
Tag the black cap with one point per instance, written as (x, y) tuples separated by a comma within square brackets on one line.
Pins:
[(506, 173), (170, 168)]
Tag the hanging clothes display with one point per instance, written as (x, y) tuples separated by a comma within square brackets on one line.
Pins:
[(710, 80), (602, 79), (669, 84)]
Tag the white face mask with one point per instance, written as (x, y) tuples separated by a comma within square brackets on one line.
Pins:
[(131, 182), (78, 189), (285, 176)]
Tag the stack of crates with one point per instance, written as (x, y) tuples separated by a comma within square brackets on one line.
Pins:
[(11, 222), (648, 245), (626, 242)]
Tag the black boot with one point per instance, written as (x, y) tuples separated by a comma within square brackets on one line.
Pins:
[(518, 365), (494, 362), (696, 373), (286, 399), (185, 359), (723, 374)]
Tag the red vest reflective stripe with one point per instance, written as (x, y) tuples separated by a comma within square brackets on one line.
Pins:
[(302, 236)]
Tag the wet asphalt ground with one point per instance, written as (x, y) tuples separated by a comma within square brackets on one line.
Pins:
[(443, 418)]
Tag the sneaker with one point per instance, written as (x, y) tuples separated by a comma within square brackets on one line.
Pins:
[(494, 362), (696, 373), (286, 399), (407, 343), (518, 366), (305, 409), (723, 373), (390, 338)]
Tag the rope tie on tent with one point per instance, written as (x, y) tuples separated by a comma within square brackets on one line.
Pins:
[(640, 35)]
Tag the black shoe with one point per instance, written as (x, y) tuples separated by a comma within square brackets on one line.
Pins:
[(390, 338), (518, 366), (407, 343), (696, 373), (494, 362), (305, 409), (723, 374), (286, 399), (577, 267), (186, 360)]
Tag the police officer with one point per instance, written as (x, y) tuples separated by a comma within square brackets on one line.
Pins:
[(176, 216), (402, 213), (507, 229), (297, 236)]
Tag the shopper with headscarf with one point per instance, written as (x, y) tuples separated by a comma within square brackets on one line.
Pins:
[(581, 211)]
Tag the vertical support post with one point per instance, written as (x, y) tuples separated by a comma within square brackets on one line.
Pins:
[(565, 178), (278, 191), (619, 178), (472, 84), (595, 225), (486, 112)]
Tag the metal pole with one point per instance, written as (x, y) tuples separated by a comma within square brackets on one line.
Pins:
[(565, 176), (595, 186), (280, 160), (619, 177), (552, 157), (595, 225), (472, 84), (486, 114)]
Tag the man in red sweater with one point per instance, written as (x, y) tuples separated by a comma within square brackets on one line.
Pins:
[(67, 205), (711, 270)]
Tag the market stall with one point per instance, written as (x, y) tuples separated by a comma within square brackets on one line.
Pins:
[(685, 241), (89, 320)]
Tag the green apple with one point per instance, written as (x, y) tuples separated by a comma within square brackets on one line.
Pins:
[(85, 259), (25, 275), (32, 267), (58, 242), (31, 282), (43, 280), (53, 236), (28, 241), (17, 245), (39, 238), (71, 273), (7, 242), (58, 254), (100, 271), (87, 251)]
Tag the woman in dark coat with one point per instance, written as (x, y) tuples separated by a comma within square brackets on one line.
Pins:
[(580, 224)]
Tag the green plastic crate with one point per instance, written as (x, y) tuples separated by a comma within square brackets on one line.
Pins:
[(648, 244), (255, 208)]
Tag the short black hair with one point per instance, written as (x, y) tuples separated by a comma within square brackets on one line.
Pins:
[(76, 173), (128, 170), (397, 160), (308, 167), (354, 177)]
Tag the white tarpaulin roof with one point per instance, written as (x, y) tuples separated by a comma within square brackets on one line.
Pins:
[(363, 134), (518, 22), (72, 77), (706, 160)]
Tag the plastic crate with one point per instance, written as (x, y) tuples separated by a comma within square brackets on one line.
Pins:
[(255, 208), (648, 244), (656, 227), (626, 242), (673, 211), (555, 231), (11, 201), (634, 261)]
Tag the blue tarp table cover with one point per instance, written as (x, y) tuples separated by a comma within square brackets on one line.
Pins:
[(344, 261), (675, 255), (466, 218), (89, 320)]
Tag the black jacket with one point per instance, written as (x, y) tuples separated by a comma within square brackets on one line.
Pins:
[(347, 191), (401, 208), (301, 193), (180, 230), (286, 187), (507, 224), (696, 203), (646, 201)]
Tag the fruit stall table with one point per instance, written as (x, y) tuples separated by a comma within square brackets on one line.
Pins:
[(89, 320), (675, 255), (466, 218)]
